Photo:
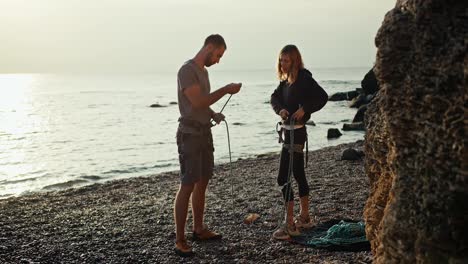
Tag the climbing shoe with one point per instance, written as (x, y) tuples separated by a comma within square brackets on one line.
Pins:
[(303, 222), (285, 233), (183, 249)]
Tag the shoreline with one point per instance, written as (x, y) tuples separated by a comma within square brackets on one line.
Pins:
[(130, 220)]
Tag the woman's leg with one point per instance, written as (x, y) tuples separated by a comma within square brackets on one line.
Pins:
[(300, 137), (286, 189)]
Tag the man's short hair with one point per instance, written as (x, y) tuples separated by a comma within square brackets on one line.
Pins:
[(215, 40)]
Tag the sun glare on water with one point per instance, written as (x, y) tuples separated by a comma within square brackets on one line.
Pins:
[(18, 120)]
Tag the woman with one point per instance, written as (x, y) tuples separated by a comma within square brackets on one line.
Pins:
[(297, 96)]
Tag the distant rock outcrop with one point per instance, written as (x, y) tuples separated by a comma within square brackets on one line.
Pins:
[(156, 105), (341, 96), (369, 84), (415, 141), (334, 133)]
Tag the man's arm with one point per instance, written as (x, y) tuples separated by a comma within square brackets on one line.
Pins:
[(198, 100)]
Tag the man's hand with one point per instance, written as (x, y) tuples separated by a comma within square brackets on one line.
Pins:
[(233, 88), (284, 114), (218, 117), (298, 114)]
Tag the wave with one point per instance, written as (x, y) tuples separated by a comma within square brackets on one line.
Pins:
[(91, 177), (19, 181), (337, 82), (138, 169), (63, 185)]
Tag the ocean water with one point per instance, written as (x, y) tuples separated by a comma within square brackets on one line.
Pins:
[(61, 131)]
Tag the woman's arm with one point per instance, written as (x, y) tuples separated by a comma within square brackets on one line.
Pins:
[(276, 100), (315, 96)]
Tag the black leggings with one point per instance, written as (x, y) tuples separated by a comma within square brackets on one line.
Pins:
[(300, 136)]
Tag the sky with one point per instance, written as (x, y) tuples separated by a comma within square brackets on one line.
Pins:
[(49, 36)]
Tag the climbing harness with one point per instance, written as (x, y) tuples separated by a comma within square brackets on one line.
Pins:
[(282, 127)]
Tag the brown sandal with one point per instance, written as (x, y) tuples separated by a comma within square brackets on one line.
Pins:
[(183, 249), (206, 235)]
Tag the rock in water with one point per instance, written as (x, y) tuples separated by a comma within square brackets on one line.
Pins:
[(334, 133)]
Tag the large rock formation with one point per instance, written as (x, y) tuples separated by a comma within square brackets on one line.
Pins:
[(417, 211)]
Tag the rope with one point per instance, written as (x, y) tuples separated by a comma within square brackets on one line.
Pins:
[(288, 179), (230, 155), (225, 104), (230, 165), (290, 171)]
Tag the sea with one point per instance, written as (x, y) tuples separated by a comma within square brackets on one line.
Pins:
[(61, 131)]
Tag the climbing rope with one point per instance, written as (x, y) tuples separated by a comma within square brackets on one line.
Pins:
[(288, 184), (230, 155)]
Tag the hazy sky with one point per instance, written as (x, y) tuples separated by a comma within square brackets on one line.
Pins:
[(159, 35)]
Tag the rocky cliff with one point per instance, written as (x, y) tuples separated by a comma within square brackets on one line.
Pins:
[(416, 160)]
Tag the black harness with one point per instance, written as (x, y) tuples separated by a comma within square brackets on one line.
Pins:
[(280, 130)]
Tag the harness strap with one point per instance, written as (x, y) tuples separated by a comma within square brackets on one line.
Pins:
[(280, 129), (298, 148), (202, 128), (307, 150)]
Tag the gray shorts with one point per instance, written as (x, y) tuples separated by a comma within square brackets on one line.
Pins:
[(195, 156)]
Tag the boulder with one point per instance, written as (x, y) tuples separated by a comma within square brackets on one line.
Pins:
[(334, 133), (310, 123), (358, 101), (156, 105), (341, 96), (369, 84), (350, 154), (359, 117), (416, 136)]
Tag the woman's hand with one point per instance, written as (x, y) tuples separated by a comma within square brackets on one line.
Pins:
[(299, 114), (284, 114)]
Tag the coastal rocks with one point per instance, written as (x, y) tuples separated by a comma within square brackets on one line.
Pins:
[(352, 154), (359, 98), (333, 133), (359, 117), (156, 105), (369, 84), (310, 123), (355, 126), (415, 155), (341, 96)]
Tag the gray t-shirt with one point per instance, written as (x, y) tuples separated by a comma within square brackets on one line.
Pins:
[(188, 75)]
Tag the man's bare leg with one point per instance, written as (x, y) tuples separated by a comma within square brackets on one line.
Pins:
[(198, 204), (181, 208)]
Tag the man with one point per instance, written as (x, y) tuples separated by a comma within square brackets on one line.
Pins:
[(194, 139)]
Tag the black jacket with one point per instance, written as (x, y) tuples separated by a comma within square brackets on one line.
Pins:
[(305, 91)]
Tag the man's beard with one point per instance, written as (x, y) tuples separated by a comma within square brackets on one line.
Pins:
[(208, 57)]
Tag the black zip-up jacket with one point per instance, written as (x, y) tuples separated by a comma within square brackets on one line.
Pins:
[(305, 91)]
